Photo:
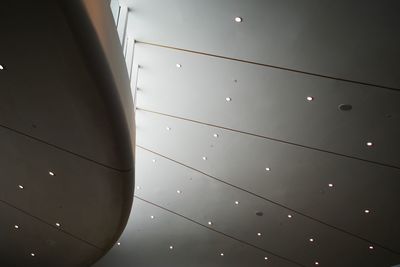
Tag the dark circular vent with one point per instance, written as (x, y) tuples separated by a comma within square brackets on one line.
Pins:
[(345, 107)]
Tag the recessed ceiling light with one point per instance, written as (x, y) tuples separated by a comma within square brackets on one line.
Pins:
[(267, 169), (51, 173), (216, 135), (371, 247), (178, 65), (21, 186), (289, 216), (209, 223), (16, 226), (259, 234), (119, 244), (167, 128), (367, 211), (58, 224), (1, 67), (138, 187), (204, 158), (153, 160), (33, 254), (236, 202), (238, 19), (310, 98), (228, 99), (311, 239), (316, 263), (171, 247), (222, 254), (369, 144), (330, 185), (265, 258), (179, 191)]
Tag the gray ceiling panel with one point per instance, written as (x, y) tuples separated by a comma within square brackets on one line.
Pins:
[(146, 242), (274, 152), (205, 200), (299, 178), (272, 103), (320, 169), (355, 40)]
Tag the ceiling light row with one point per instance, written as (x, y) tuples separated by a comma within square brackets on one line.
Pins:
[(222, 254), (20, 186), (229, 99)]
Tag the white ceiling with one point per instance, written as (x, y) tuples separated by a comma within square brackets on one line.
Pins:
[(342, 52)]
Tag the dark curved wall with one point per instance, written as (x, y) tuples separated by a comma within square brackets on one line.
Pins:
[(66, 108)]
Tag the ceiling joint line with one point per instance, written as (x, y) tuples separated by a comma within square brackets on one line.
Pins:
[(51, 225), (271, 138), (219, 232), (273, 202), (271, 66), (64, 150)]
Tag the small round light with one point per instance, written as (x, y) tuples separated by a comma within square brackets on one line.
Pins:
[(51, 173), (138, 187), (238, 19), (268, 169), (228, 99), (367, 211), (16, 226), (265, 258), (316, 263), (369, 144), (171, 247), (119, 244), (21, 186), (178, 191), (204, 158), (33, 254), (330, 185), (178, 65), (236, 202), (371, 247), (216, 135), (153, 160), (58, 224), (310, 98), (209, 223), (222, 254), (289, 216), (311, 239), (1, 67), (259, 234), (168, 128), (151, 217)]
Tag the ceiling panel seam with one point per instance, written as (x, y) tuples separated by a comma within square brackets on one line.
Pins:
[(65, 150), (219, 232), (273, 202), (51, 225), (271, 66), (271, 138)]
